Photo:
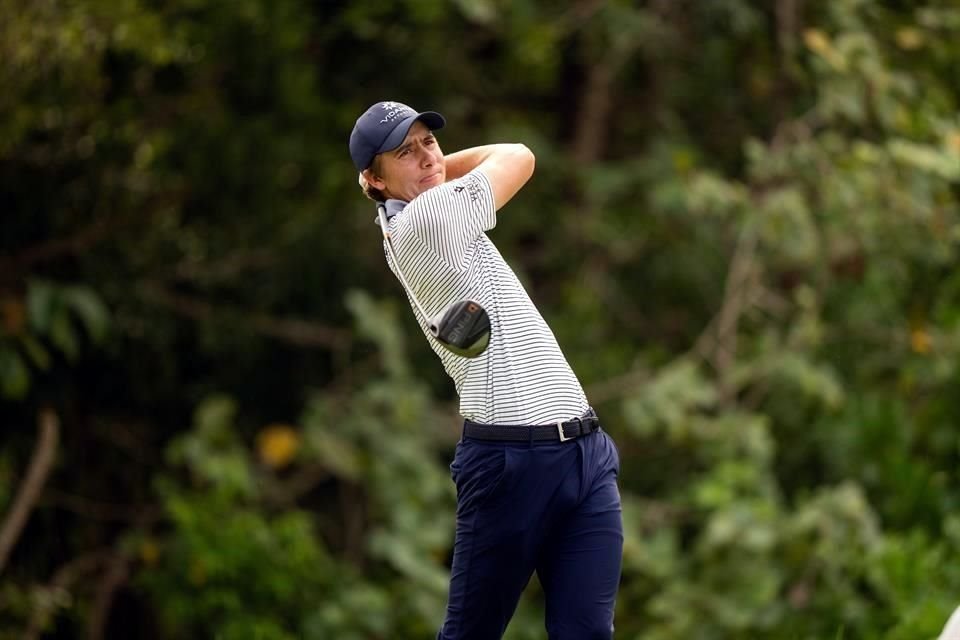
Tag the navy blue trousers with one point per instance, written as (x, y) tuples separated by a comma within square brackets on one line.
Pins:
[(553, 508)]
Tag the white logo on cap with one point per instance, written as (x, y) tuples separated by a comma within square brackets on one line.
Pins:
[(395, 110)]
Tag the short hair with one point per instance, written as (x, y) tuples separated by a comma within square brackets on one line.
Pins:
[(368, 189)]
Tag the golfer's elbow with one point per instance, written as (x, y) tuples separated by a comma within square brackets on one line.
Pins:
[(530, 160), (508, 169), (524, 161)]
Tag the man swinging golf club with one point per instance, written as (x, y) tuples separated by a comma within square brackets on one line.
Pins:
[(536, 476)]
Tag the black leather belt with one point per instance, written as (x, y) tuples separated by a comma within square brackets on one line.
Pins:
[(557, 432)]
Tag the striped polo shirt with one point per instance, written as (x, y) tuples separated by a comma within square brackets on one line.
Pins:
[(522, 378)]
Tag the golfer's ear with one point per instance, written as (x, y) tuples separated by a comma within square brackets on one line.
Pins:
[(508, 168), (373, 179)]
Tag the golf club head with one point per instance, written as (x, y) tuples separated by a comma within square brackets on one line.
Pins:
[(463, 328)]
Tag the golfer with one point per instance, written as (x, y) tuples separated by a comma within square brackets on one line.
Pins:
[(536, 476)]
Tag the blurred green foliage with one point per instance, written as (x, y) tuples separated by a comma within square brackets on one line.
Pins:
[(743, 230)]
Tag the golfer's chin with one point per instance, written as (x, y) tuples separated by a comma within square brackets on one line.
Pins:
[(414, 189), (430, 181)]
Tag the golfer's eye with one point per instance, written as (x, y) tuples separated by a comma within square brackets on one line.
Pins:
[(429, 141)]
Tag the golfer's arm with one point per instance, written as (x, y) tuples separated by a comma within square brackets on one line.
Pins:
[(506, 166)]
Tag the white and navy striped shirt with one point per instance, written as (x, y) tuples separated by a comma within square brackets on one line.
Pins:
[(439, 240)]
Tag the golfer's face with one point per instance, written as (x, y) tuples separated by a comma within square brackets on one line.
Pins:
[(414, 166)]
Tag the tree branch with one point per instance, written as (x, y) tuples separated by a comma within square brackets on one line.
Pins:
[(352, 507), (79, 242), (37, 473), (104, 511), (228, 267), (301, 333), (56, 589), (618, 386), (718, 342), (286, 493), (116, 575)]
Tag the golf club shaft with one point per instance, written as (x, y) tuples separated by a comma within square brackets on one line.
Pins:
[(382, 212)]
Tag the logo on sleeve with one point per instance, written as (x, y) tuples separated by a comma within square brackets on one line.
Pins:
[(472, 185)]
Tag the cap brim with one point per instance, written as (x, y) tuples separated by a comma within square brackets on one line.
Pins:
[(432, 119)]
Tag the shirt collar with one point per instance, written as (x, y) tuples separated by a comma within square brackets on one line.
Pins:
[(394, 206)]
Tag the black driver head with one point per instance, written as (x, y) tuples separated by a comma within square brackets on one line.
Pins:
[(463, 328)]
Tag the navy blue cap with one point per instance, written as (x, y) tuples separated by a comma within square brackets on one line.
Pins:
[(383, 127)]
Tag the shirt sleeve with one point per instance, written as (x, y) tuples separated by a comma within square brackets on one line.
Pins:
[(449, 218)]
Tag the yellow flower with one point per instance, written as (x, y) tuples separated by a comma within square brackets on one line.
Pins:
[(819, 42), (909, 38), (816, 40), (920, 340), (277, 444), (953, 141), (149, 552)]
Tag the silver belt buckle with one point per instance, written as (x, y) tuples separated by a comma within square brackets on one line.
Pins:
[(563, 438)]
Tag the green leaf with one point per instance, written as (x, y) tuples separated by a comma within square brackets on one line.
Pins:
[(377, 320), (91, 310), (215, 415), (36, 351), (64, 334), (336, 453), (14, 374), (42, 303), (668, 401), (925, 158)]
